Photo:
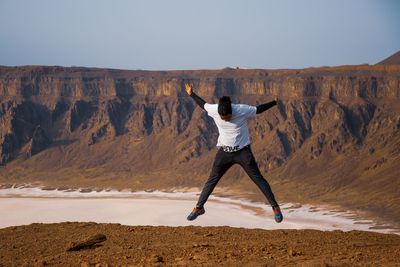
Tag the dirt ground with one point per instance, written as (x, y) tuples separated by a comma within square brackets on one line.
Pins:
[(48, 244)]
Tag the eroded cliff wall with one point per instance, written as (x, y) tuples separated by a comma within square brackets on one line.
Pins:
[(334, 128)]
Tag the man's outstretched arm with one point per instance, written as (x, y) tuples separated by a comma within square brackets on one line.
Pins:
[(263, 107), (197, 99)]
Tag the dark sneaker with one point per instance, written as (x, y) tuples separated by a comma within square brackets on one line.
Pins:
[(195, 213), (278, 214)]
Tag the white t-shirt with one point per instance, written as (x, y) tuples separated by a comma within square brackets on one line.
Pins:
[(233, 134)]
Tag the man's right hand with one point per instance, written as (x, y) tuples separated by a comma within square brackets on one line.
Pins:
[(189, 88)]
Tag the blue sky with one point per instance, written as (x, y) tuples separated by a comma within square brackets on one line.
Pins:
[(190, 34)]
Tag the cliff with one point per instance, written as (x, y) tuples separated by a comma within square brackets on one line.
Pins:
[(333, 138)]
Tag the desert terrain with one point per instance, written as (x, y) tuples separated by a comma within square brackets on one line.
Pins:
[(64, 245), (138, 130), (333, 139)]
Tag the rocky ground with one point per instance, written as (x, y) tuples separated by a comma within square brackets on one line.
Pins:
[(91, 244)]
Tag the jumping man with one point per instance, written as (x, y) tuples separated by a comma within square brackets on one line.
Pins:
[(233, 147)]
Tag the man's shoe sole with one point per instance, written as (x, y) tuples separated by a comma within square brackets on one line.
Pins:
[(279, 219), (192, 219)]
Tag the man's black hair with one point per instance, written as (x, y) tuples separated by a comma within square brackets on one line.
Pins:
[(224, 106)]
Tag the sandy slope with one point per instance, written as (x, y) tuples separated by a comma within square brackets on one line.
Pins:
[(47, 244)]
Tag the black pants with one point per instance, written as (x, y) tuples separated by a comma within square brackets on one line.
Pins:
[(223, 161)]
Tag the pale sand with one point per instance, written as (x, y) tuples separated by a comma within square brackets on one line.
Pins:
[(33, 205)]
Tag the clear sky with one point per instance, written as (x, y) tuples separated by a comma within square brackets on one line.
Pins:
[(193, 34)]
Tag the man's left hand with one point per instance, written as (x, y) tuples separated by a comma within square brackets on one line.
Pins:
[(189, 88)]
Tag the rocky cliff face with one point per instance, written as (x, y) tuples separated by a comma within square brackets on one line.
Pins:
[(335, 130)]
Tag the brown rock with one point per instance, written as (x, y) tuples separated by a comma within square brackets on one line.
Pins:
[(90, 243), (157, 259)]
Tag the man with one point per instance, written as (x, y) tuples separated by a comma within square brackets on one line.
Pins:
[(233, 147)]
